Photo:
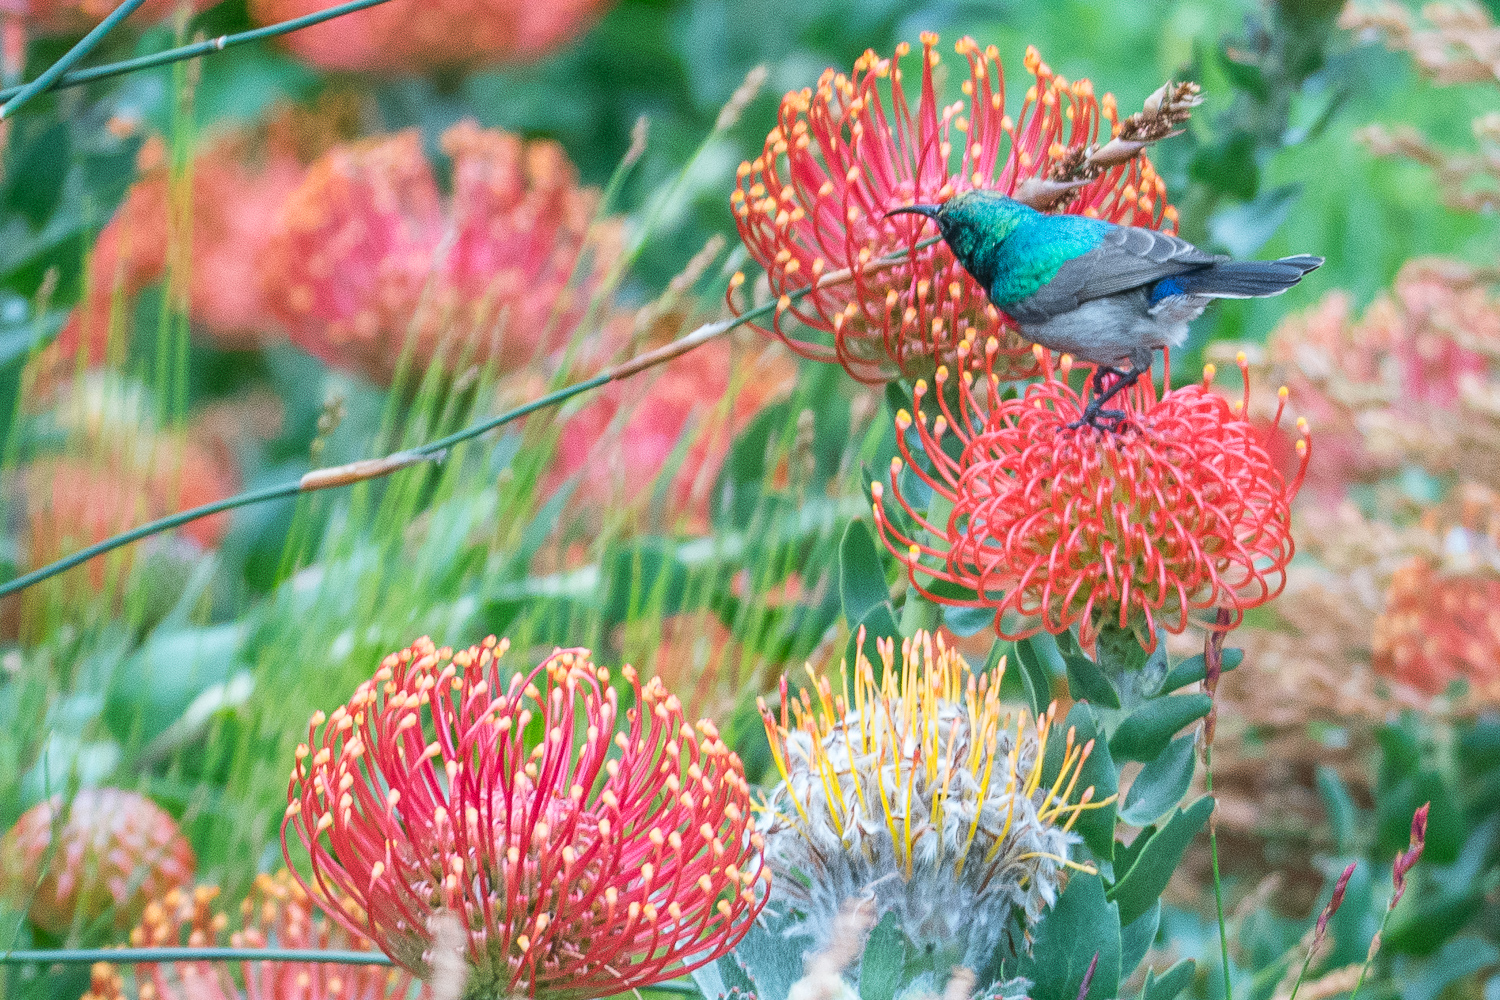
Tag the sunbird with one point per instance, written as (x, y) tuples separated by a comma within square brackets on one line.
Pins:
[(1106, 294)]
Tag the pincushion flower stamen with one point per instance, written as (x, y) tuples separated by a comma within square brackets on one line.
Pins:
[(846, 153), (576, 870), (1174, 509), (916, 789)]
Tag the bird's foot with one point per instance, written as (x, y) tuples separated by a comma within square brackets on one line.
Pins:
[(1092, 415)]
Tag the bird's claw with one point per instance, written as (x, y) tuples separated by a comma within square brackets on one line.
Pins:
[(1092, 418)]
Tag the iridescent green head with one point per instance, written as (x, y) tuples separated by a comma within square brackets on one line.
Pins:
[(974, 224)]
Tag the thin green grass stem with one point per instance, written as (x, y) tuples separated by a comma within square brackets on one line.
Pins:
[(24, 93), (1213, 853), (367, 469), (64, 79)]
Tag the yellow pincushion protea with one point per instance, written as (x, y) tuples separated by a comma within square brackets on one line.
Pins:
[(920, 791)]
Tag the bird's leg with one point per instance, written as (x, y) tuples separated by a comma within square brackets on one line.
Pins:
[(1095, 408)]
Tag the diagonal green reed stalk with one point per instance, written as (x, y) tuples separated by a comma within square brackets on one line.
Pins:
[(374, 468), (63, 79), (55, 72)]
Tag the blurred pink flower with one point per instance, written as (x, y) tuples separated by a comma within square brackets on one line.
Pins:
[(406, 36), (630, 431), (115, 850), (239, 181), (365, 253)]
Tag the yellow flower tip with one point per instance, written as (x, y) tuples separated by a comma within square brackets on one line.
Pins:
[(1301, 447), (784, 303), (1237, 406), (1032, 60), (896, 465), (1240, 359), (1037, 351), (941, 375), (1302, 425), (913, 552), (1170, 214), (920, 389), (903, 419), (877, 491), (1283, 392), (1209, 371), (737, 279)]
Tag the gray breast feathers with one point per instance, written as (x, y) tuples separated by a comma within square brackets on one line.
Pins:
[(1128, 258)]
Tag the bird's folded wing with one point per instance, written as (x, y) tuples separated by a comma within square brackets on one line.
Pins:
[(1129, 257)]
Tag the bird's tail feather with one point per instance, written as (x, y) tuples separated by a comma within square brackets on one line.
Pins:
[(1244, 279)]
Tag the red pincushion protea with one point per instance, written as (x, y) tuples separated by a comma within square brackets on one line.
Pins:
[(573, 874), (841, 157), (425, 35), (276, 913), (1178, 508), (115, 851), (365, 254), (1441, 627)]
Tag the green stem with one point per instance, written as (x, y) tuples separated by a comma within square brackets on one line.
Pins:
[(60, 80), (355, 472), (1213, 853), (53, 73), (1370, 954)]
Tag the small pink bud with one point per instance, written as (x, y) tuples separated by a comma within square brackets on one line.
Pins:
[(1334, 903), (1412, 854)]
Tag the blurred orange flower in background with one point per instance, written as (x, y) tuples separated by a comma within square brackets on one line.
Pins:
[(115, 851), (239, 181), (630, 432), (407, 36), (365, 253)]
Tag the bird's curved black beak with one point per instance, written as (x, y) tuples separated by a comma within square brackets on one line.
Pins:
[(931, 211)]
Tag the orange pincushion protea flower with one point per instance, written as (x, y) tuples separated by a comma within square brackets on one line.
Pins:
[(116, 850), (406, 36), (1440, 627), (365, 253), (277, 913), (1178, 508), (847, 152), (449, 784)]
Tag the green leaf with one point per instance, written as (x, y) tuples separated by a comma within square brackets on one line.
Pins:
[(1082, 923), (1139, 888), (879, 623), (1034, 676), (771, 960), (1097, 825), (1192, 670), (1136, 938), (37, 172), (1172, 982), (1145, 733), (1338, 805), (884, 958), (1087, 682), (1161, 784), (966, 621), (862, 583)]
